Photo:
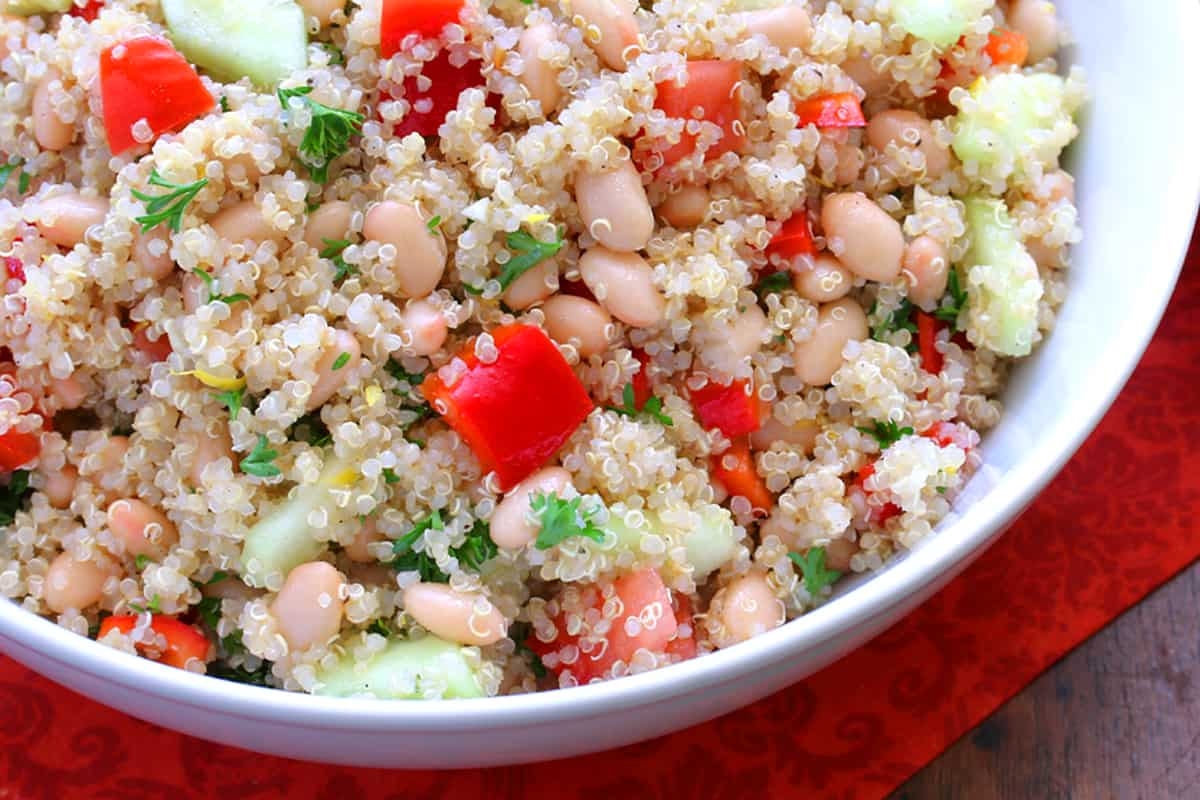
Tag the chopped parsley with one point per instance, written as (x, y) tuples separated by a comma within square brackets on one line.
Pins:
[(478, 547), (224, 101), (167, 207), (773, 283), (217, 577), (215, 297), (561, 520), (258, 677), (886, 433), (13, 496), (152, 606), (812, 567), (407, 559), (333, 251), (527, 252), (434, 224), (954, 302), (381, 627), (141, 561), (232, 400), (258, 463), (311, 429), (898, 320), (651, 408), (328, 134), (336, 58), (7, 170), (340, 361), (520, 633), (390, 476), (397, 371), (209, 609)]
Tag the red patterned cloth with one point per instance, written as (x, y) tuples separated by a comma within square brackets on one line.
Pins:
[(1115, 524)]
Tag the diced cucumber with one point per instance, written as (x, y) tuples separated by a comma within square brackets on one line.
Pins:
[(402, 671), (627, 538), (712, 543), (263, 40), (27, 8), (1003, 286), (281, 540), (939, 22), (1013, 121)]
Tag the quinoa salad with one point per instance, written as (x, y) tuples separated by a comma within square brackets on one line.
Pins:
[(455, 348)]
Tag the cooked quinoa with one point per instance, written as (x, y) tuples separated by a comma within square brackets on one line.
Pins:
[(450, 349)]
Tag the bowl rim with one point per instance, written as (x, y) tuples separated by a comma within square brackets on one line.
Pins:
[(951, 548)]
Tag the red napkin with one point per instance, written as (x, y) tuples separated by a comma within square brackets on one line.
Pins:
[(1113, 526)]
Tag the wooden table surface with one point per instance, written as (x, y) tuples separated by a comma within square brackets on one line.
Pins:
[(1117, 719)]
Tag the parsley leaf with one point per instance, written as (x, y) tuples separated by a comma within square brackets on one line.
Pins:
[(408, 560), (651, 408), (333, 251), (397, 371), (335, 56), (259, 461), (310, 428), (900, 319), (478, 547), (340, 361), (224, 103), (7, 170), (215, 297), (152, 606), (812, 567), (527, 252), (13, 496), (209, 609), (328, 134), (258, 677), (520, 632), (167, 207), (232, 400), (217, 577), (433, 224), (886, 433), (390, 476), (141, 561), (773, 283), (381, 627), (954, 302), (562, 519)]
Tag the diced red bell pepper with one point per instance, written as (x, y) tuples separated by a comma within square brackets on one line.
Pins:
[(642, 390), (145, 78), (876, 514), (742, 479), (794, 239), (154, 349), (430, 107), (426, 18), (18, 448), (14, 268), (183, 641), (88, 12), (643, 597), (683, 646), (832, 111), (710, 89), (516, 411), (1007, 48), (949, 433), (928, 327), (731, 409)]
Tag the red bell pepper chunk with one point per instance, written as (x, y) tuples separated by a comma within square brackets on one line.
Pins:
[(183, 641), (643, 597), (145, 78), (928, 327), (642, 390), (14, 268), (832, 111), (516, 411), (1007, 48), (683, 646), (710, 88), (742, 479), (730, 409), (18, 448), (793, 240), (88, 12), (876, 514), (949, 433), (430, 107), (425, 18)]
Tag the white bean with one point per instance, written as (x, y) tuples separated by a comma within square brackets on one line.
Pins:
[(1037, 20), (802, 434), (243, 221), (335, 367), (308, 609), (738, 340), (540, 77), (837, 323), (65, 218), (152, 252), (908, 129), (329, 223), (510, 529), (421, 252), (322, 10), (787, 27), (59, 485), (926, 269), (612, 29), (748, 608), (686, 208), (49, 129), (579, 320), (863, 236), (141, 528), (624, 284), (464, 617), (427, 324), (208, 448), (827, 280), (614, 207), (535, 284), (359, 548), (74, 584)]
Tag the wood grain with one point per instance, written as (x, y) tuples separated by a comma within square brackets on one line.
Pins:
[(1118, 718)]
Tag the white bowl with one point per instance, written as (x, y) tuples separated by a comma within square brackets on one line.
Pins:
[(1138, 170)]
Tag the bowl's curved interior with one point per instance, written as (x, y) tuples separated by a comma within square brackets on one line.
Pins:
[(1138, 183)]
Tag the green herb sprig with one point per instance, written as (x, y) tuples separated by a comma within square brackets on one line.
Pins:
[(651, 408), (259, 461), (812, 567), (152, 606), (561, 520), (7, 170), (213, 295), (773, 283), (167, 207), (328, 134), (954, 302), (527, 253), (900, 319), (13, 496), (886, 433), (333, 251), (520, 632)]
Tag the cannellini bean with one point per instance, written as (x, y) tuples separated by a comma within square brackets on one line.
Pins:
[(208, 448), (59, 485), (611, 29), (329, 222), (739, 340), (359, 548), (686, 208), (49, 129), (909, 129), (509, 528), (540, 77), (837, 323), (827, 280), (624, 285), (861, 72), (838, 553), (308, 609), (926, 269), (71, 583), (243, 221), (802, 434), (427, 325), (329, 378), (141, 528), (1043, 254), (463, 617), (69, 392), (787, 27), (749, 608), (579, 320), (421, 252), (535, 284), (1037, 20), (863, 236), (614, 207), (321, 9), (1055, 186), (152, 252), (111, 454), (65, 218)]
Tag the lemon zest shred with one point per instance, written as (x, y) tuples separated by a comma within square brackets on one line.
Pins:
[(535, 218), (215, 381), (372, 394)]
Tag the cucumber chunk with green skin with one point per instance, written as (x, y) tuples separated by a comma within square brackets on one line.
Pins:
[(263, 40), (281, 540), (939, 22), (711, 543), (28, 8), (403, 670), (1003, 286)]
